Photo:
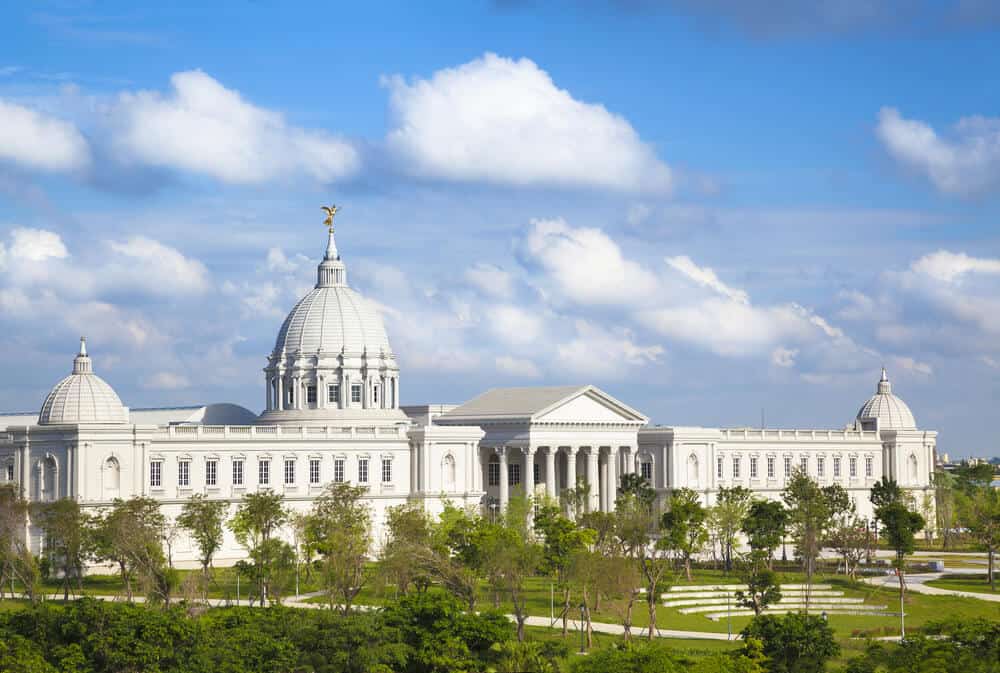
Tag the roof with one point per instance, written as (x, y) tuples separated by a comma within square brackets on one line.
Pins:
[(890, 412), (530, 403)]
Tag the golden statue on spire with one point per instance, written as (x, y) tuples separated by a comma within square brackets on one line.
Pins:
[(330, 212)]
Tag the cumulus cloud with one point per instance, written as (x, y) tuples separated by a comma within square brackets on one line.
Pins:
[(36, 245), (39, 141), (167, 381), (952, 267), (595, 351), (491, 280), (964, 162), (584, 265), (518, 367), (784, 357), (505, 121), (203, 127), (157, 268)]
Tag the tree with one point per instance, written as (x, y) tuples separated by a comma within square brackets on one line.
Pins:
[(762, 584), (810, 514), (944, 506), (618, 579), (16, 560), (885, 492), (764, 526), (850, 537), (203, 519), (637, 528), (66, 529), (900, 526), (256, 522), (562, 539), (637, 485), (726, 519), (408, 541), (683, 525), (984, 525), (794, 643), (339, 529), (130, 535)]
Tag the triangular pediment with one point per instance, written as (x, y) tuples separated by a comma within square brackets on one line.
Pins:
[(589, 405)]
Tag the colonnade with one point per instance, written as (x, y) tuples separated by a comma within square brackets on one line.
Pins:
[(602, 468)]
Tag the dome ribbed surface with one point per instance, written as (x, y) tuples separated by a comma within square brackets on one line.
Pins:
[(890, 411), (82, 398), (332, 318)]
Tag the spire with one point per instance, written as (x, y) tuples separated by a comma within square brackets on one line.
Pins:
[(331, 248), (884, 387), (331, 271), (81, 363)]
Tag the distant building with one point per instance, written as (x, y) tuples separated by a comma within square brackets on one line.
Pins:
[(332, 413)]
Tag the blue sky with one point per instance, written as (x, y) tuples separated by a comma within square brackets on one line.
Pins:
[(706, 208)]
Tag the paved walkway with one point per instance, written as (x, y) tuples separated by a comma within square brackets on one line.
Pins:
[(916, 584)]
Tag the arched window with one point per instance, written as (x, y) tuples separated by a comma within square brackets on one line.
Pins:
[(111, 478), (692, 469), (913, 468), (448, 472)]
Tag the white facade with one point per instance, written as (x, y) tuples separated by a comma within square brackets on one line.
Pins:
[(332, 413)]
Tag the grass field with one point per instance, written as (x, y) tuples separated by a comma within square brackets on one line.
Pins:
[(974, 583)]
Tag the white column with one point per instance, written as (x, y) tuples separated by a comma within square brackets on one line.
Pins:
[(25, 471), (70, 471), (571, 467), (602, 478), (612, 477), (593, 478), (550, 472), (529, 471), (281, 392), (267, 402), (504, 485)]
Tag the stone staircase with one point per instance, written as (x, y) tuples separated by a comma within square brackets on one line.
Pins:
[(712, 600)]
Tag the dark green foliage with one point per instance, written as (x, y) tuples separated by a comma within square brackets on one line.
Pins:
[(794, 643), (632, 658), (421, 634), (971, 646)]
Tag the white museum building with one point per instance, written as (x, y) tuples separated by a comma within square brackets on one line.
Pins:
[(333, 413)]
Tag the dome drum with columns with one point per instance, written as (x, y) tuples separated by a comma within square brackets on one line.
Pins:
[(332, 361), (332, 413)]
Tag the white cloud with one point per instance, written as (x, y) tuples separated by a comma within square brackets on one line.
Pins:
[(36, 245), (858, 305), (602, 353), (517, 367), (784, 357), (158, 268), (203, 127), (965, 163), (706, 277), (499, 120), (39, 141), (167, 381), (491, 280), (516, 325), (585, 265), (951, 267), (910, 365)]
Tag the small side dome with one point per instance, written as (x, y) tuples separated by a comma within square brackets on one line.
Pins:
[(82, 397), (885, 411)]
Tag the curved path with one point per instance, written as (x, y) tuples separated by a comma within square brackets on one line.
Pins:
[(916, 582)]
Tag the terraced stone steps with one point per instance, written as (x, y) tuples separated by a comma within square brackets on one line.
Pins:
[(710, 599)]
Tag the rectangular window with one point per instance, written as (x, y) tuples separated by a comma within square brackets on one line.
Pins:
[(788, 466), (736, 468), (333, 394), (311, 394), (494, 474), (386, 470), (184, 473), (290, 394), (536, 473), (804, 463), (820, 466), (155, 473), (770, 467), (314, 470), (513, 474), (646, 470), (10, 472), (718, 467), (869, 467), (836, 466), (363, 471), (211, 472), (338, 470), (753, 467), (264, 472), (853, 466), (355, 393), (289, 472), (375, 395)]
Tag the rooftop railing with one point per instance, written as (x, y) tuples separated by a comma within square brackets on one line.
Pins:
[(271, 432)]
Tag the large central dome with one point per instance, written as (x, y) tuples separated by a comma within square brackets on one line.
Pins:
[(885, 411), (332, 360)]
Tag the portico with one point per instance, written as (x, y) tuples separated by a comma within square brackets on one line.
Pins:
[(543, 441)]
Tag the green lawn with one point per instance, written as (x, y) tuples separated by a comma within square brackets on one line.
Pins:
[(975, 583)]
